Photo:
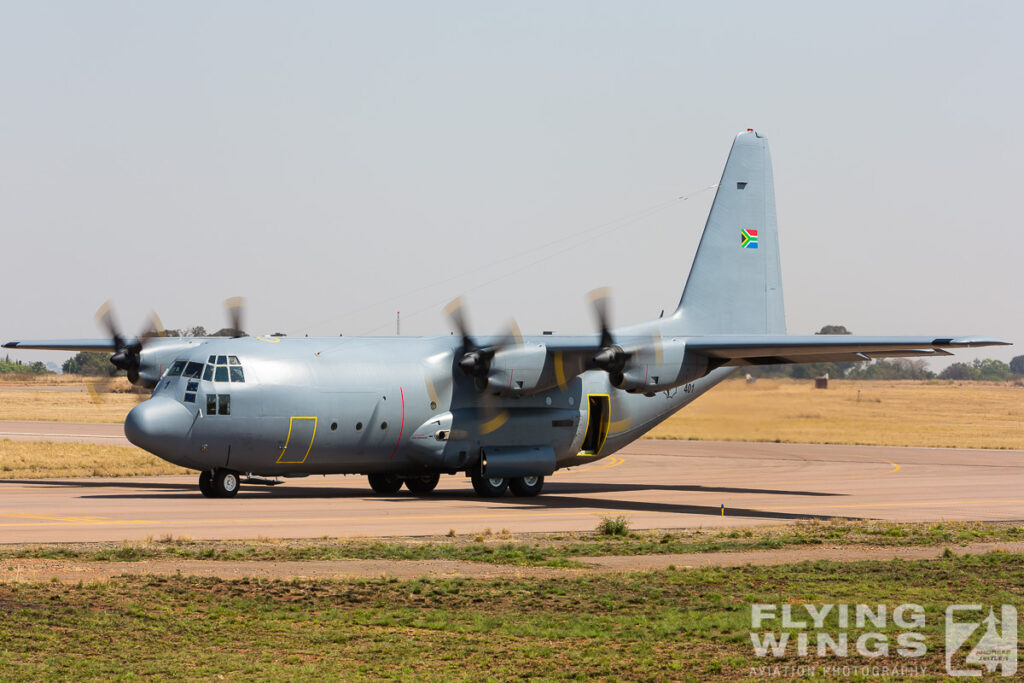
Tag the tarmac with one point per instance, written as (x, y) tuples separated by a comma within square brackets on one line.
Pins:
[(655, 484)]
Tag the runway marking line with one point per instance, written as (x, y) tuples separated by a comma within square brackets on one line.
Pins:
[(55, 518), (908, 503)]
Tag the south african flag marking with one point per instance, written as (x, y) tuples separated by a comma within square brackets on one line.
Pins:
[(748, 238)]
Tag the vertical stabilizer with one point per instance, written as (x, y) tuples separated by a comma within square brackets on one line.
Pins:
[(735, 283)]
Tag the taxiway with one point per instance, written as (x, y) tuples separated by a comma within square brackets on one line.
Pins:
[(655, 484)]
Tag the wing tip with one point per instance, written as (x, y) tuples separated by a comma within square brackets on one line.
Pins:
[(11, 345), (971, 342)]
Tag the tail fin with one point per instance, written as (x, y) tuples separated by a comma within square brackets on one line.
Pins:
[(735, 283)]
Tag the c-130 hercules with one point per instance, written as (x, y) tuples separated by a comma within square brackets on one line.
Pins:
[(506, 411)]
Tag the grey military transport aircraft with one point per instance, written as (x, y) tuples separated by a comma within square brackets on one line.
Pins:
[(506, 411)]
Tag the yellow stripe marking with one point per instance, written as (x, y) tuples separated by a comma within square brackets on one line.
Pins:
[(289, 438), (494, 423), (620, 426), (613, 461), (560, 371), (54, 518)]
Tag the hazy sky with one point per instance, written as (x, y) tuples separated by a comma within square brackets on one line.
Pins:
[(336, 162)]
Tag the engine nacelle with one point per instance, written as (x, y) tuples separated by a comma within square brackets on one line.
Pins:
[(520, 371), (157, 356), (649, 372)]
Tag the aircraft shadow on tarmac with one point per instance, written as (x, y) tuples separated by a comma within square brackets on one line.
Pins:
[(548, 501), (123, 483)]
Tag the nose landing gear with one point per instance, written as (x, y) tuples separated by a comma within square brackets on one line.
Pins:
[(219, 483)]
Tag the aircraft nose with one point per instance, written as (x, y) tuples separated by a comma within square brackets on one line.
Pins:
[(158, 425)]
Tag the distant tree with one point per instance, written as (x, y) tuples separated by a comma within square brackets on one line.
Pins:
[(992, 370), (16, 367), (960, 371), (1017, 365), (87, 363), (898, 368), (197, 331), (834, 329)]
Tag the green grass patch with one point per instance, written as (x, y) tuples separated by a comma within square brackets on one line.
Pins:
[(539, 550), (666, 625)]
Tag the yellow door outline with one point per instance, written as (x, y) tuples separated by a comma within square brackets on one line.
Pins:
[(287, 441), (602, 428)]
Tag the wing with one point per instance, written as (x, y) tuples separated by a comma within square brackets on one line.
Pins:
[(737, 350), (66, 344)]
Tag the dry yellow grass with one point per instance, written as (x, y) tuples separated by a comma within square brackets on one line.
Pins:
[(30, 403), (47, 459), (50, 379), (954, 415), (942, 414)]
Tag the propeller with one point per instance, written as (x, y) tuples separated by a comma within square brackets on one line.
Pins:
[(127, 355), (476, 360), (611, 357)]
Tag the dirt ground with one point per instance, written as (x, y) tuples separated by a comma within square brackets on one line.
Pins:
[(71, 571)]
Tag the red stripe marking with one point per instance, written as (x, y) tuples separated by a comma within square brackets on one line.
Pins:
[(400, 427)]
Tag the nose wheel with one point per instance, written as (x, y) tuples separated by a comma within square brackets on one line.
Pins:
[(220, 483)]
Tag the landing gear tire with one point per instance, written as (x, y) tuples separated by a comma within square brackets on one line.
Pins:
[(422, 484), (489, 487), (526, 486), (225, 483), (386, 484), (206, 484)]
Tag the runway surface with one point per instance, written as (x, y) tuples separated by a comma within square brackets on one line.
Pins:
[(85, 432), (656, 484)]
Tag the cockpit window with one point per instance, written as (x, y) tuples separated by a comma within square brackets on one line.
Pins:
[(222, 374), (208, 372), (213, 360), (222, 360), (176, 368), (193, 369), (233, 360), (236, 373)]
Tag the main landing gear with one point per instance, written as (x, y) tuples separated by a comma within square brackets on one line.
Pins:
[(219, 483), (485, 487), (495, 487), (389, 484)]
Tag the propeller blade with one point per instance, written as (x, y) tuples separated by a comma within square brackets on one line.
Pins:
[(455, 312), (599, 301), (105, 319), (235, 307), (154, 328)]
